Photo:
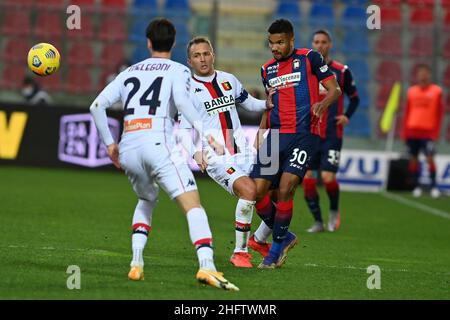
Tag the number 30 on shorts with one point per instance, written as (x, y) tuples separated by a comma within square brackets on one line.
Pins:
[(299, 156)]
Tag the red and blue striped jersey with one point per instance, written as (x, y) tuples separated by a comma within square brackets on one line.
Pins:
[(347, 84), (296, 79)]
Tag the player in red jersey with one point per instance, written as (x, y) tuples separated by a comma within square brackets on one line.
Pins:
[(294, 135), (333, 121), (422, 122)]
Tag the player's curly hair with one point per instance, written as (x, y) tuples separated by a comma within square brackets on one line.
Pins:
[(161, 32), (281, 26)]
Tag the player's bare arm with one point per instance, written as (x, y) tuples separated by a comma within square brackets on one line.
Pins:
[(333, 92)]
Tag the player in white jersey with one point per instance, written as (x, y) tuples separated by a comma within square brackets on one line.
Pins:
[(215, 95), (151, 92)]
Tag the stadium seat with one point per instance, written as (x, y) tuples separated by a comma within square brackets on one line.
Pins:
[(17, 4), (177, 5), (447, 135), (391, 17), (355, 43), (87, 30), (140, 53), (48, 24), (364, 97), (12, 75), (288, 9), (389, 44), (446, 22), (384, 90), (421, 17), (16, 50), (446, 49), (113, 6), (447, 104), (388, 72), (419, 3), (112, 29), (356, 2), (354, 16), (112, 54), (179, 55), (145, 8), (79, 81), (86, 6), (81, 53), (385, 3), (322, 15), (16, 23), (52, 83), (360, 69), (50, 5), (359, 125), (137, 30), (421, 46), (446, 77)]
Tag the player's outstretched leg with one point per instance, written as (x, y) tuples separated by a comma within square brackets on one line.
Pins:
[(201, 237), (142, 220), (312, 200)]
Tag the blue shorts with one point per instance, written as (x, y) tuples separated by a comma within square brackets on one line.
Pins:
[(327, 156), (291, 153), (427, 146)]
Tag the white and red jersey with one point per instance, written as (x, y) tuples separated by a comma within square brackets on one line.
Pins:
[(150, 92), (215, 99)]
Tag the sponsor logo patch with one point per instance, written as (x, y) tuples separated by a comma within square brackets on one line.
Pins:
[(286, 79), (137, 124), (231, 170)]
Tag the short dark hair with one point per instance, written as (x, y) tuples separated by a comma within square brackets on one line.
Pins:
[(423, 66), (281, 26), (198, 40), (161, 32), (323, 31)]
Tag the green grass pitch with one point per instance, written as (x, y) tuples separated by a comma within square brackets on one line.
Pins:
[(51, 219)]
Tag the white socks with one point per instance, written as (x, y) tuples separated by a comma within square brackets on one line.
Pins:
[(262, 233), (142, 220), (244, 213), (201, 237)]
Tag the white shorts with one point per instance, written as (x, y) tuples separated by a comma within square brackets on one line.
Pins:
[(156, 159), (226, 169)]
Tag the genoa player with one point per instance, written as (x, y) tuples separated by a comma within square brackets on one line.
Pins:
[(215, 95), (151, 92)]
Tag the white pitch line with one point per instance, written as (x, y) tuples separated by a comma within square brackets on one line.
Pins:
[(416, 205)]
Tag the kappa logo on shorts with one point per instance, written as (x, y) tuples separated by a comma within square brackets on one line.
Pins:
[(231, 170), (226, 182), (190, 183)]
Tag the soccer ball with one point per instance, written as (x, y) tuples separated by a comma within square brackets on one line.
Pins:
[(43, 59)]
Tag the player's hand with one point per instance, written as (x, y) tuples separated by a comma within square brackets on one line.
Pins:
[(113, 153), (200, 158), (269, 102), (217, 147), (342, 120), (319, 108)]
